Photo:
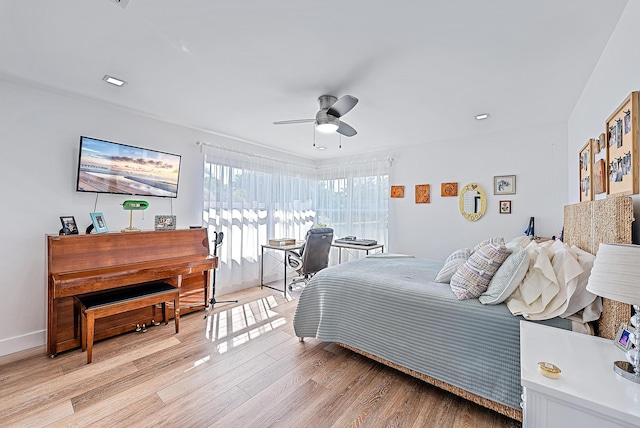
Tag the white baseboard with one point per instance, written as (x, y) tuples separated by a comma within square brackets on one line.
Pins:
[(21, 343)]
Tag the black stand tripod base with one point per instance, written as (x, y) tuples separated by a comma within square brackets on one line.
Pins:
[(213, 301)]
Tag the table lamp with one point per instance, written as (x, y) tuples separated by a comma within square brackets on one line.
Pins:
[(132, 206), (616, 275)]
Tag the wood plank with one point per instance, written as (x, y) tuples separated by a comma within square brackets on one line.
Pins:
[(241, 367)]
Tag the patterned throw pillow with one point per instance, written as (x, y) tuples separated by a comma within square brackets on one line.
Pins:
[(472, 278), (451, 265), (506, 279), (497, 240)]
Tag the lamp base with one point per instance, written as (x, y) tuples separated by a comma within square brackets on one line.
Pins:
[(626, 370), (130, 229)]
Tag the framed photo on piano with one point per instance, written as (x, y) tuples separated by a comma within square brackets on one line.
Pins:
[(99, 223), (68, 225)]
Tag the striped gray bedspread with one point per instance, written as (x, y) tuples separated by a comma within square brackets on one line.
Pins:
[(391, 308)]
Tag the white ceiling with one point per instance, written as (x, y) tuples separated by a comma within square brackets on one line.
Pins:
[(421, 69)]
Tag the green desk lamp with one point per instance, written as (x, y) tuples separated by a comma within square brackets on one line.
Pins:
[(132, 206)]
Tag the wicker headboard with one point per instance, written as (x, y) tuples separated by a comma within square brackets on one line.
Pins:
[(588, 224)]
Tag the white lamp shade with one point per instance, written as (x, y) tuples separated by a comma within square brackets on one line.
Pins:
[(616, 273)]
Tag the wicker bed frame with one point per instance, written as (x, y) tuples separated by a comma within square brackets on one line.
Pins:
[(586, 225)]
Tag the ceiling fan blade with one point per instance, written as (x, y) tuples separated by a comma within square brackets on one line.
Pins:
[(343, 106), (289, 122), (346, 130)]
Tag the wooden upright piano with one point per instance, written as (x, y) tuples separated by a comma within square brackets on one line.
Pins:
[(79, 264)]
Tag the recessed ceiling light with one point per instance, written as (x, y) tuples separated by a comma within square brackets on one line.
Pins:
[(321, 148), (482, 116), (114, 80)]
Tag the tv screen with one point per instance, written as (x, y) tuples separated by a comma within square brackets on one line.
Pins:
[(108, 167)]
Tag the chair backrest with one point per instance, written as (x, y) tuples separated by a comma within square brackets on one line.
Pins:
[(315, 256)]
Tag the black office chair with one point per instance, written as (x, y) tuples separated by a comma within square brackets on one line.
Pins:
[(212, 301), (312, 257)]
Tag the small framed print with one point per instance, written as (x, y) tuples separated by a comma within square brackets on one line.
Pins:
[(623, 338), (397, 191), (449, 189), (165, 222), (505, 207), (504, 185), (99, 223), (423, 193), (69, 226)]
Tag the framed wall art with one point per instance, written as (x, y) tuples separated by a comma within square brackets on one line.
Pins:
[(423, 193), (449, 189), (397, 191), (505, 207), (99, 223), (504, 185), (622, 148), (586, 162)]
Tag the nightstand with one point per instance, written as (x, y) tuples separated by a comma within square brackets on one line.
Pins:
[(587, 394)]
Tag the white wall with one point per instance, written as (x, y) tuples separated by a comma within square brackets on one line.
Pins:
[(615, 76), (39, 136), (536, 156)]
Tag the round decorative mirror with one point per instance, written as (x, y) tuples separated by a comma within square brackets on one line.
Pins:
[(472, 201)]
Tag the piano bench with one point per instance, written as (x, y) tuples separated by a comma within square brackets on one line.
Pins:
[(116, 301)]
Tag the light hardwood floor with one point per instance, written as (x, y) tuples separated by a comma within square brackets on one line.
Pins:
[(241, 367)]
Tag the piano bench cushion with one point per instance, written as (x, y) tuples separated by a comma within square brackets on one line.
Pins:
[(125, 294)]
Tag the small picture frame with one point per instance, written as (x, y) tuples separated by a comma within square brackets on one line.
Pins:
[(448, 189), (165, 222), (504, 185), (623, 338), (99, 223), (397, 191), (423, 193), (505, 207), (69, 226)]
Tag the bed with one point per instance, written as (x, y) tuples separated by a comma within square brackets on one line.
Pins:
[(391, 310)]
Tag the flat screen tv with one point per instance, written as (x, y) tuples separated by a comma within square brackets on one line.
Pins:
[(108, 167)]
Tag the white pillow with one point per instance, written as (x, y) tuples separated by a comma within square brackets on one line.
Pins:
[(518, 243), (455, 260), (581, 298), (506, 279)]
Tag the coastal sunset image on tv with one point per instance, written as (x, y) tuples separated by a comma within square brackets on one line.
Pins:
[(108, 167)]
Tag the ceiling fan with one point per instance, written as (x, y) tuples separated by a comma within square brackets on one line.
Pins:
[(328, 117)]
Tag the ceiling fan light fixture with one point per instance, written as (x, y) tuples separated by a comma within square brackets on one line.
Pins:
[(326, 123)]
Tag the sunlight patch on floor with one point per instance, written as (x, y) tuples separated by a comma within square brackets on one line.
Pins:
[(243, 323)]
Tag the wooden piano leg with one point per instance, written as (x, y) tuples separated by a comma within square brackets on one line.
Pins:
[(89, 334), (176, 305), (83, 330)]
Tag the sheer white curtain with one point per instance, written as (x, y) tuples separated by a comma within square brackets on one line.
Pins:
[(353, 199), (254, 198)]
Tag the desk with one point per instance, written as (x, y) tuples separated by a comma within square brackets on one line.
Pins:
[(283, 248), (366, 248)]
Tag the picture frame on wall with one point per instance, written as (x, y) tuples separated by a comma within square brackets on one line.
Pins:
[(622, 153), (586, 168), (397, 191), (505, 207), (423, 193), (99, 223), (504, 185)]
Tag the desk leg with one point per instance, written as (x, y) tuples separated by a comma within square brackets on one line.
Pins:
[(284, 263), (261, 267)]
